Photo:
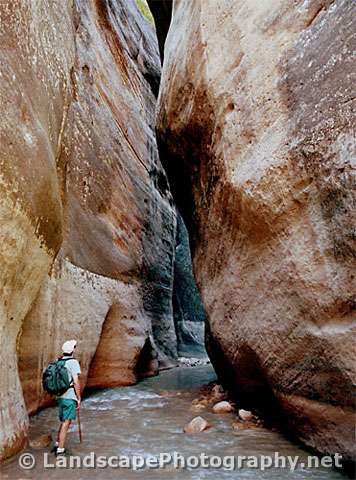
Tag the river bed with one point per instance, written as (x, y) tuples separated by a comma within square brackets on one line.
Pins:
[(148, 419)]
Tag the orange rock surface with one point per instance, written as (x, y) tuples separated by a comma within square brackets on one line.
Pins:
[(87, 225), (255, 130)]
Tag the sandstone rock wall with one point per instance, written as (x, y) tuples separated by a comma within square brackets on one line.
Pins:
[(31, 209), (255, 130), (87, 224)]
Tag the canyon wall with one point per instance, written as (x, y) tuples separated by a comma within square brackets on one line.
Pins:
[(255, 132), (188, 310), (87, 221)]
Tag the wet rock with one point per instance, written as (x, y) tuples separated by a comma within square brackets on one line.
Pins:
[(249, 425), (208, 396), (40, 441), (257, 147), (223, 407), (197, 425), (199, 404), (218, 394), (198, 407), (193, 362), (245, 415)]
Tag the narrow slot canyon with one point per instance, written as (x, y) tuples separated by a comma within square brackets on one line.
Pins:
[(177, 194)]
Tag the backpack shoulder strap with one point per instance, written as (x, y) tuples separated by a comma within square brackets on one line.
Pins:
[(64, 360)]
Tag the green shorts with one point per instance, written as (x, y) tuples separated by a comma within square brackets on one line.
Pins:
[(67, 409)]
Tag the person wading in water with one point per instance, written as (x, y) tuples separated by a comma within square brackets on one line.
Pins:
[(69, 401)]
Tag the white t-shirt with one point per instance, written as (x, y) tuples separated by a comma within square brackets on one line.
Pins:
[(73, 368)]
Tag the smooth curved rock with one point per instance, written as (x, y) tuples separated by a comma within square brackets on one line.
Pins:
[(223, 407), (31, 216), (87, 222), (255, 130)]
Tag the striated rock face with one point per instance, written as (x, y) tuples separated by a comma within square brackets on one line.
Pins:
[(188, 311), (255, 115), (87, 225)]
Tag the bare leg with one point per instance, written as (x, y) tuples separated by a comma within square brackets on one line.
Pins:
[(63, 433), (59, 431)]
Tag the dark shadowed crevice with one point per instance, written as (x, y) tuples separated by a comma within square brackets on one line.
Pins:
[(162, 13), (147, 363), (188, 310)]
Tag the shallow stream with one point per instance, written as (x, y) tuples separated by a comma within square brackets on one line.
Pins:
[(148, 419)]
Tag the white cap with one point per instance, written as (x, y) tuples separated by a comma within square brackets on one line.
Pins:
[(69, 346)]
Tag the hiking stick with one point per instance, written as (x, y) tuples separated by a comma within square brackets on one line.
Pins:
[(79, 426)]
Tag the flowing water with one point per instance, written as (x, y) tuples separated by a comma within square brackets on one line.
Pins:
[(147, 419)]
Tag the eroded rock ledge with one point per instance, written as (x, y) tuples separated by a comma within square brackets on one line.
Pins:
[(255, 130)]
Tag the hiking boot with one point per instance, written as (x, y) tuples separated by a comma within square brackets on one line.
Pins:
[(63, 452)]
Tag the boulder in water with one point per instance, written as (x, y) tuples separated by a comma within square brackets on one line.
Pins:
[(217, 393), (245, 415), (198, 406), (223, 407), (197, 425), (41, 441)]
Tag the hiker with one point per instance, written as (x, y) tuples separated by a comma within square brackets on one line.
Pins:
[(69, 401)]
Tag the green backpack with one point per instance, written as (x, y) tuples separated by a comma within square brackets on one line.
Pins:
[(56, 379)]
